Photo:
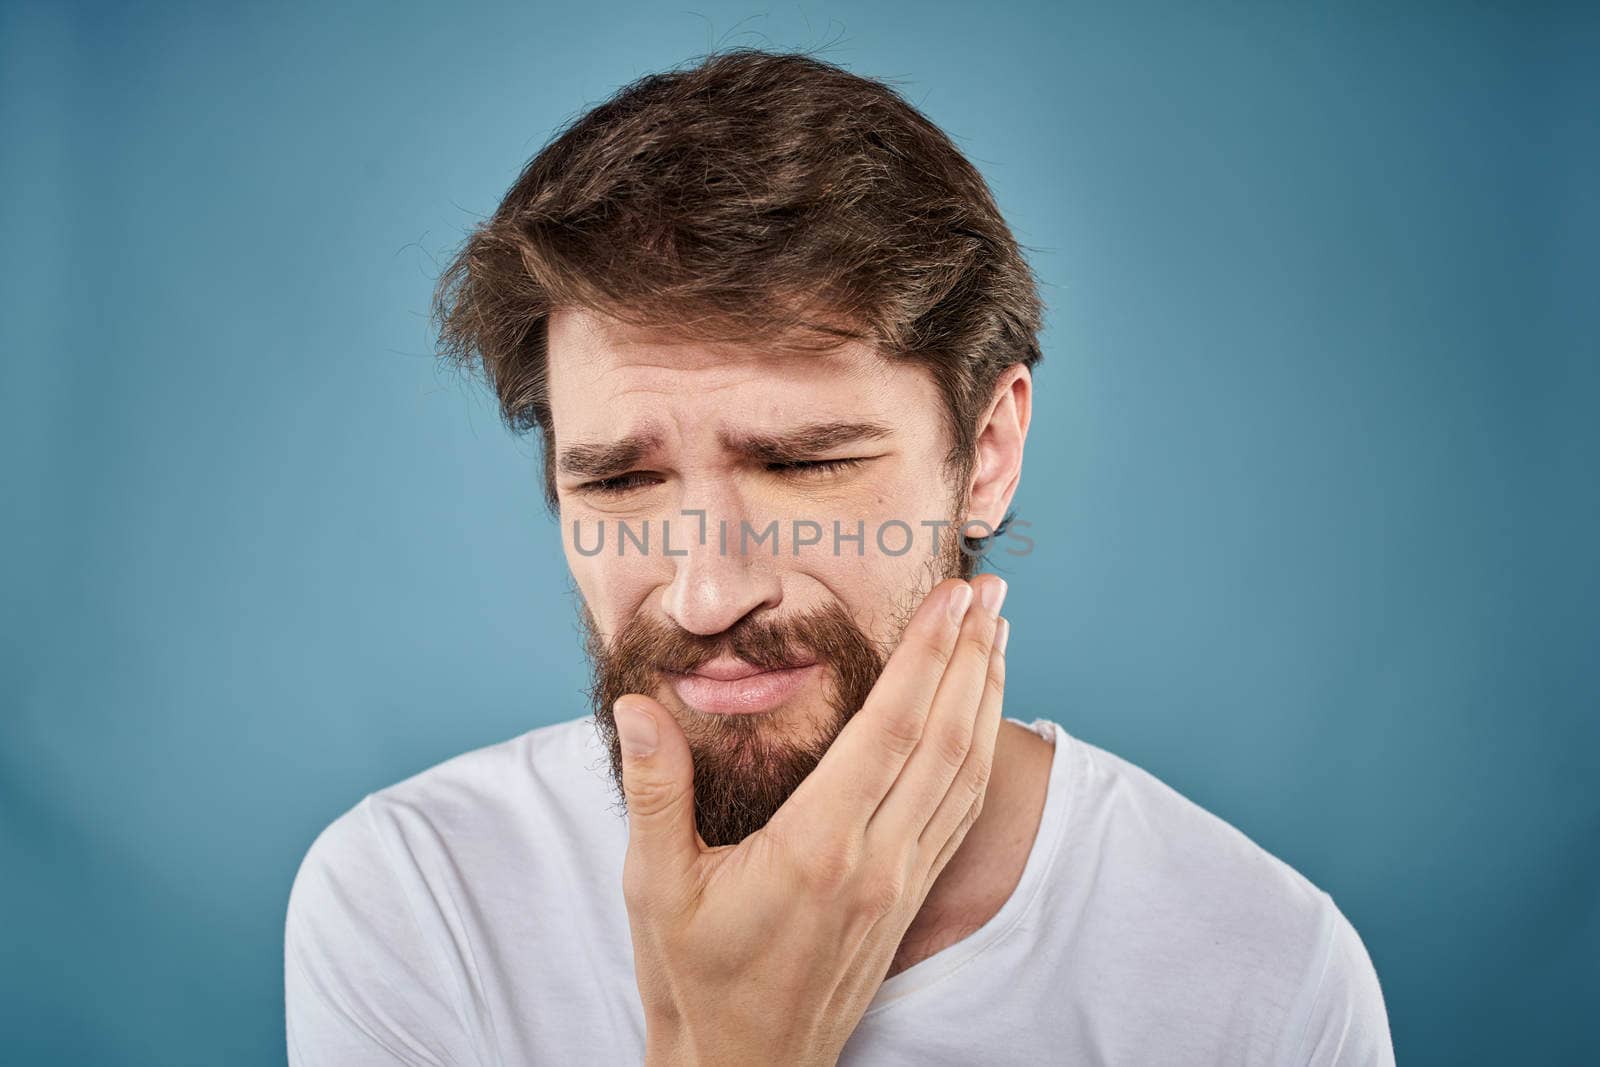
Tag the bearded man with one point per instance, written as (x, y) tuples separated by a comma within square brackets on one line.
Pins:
[(778, 341)]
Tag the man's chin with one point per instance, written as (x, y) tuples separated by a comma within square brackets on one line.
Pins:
[(746, 766)]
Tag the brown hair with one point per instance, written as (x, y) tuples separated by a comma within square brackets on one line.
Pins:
[(754, 196)]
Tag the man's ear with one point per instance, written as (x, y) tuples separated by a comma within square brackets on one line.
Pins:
[(997, 466)]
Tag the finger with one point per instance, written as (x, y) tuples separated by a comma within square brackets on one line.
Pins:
[(837, 799), (957, 813), (961, 805), (926, 777), (658, 788)]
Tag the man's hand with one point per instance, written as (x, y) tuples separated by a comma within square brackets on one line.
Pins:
[(770, 950)]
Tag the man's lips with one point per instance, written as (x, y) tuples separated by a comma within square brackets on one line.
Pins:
[(733, 687)]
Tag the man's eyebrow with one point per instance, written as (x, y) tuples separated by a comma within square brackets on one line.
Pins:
[(804, 442), (608, 459)]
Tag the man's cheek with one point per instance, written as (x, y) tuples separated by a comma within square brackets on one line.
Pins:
[(614, 591)]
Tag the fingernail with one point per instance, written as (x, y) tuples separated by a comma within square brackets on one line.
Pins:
[(1001, 635), (994, 593), (960, 598), (635, 729)]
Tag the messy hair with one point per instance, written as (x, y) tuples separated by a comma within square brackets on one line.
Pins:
[(751, 197)]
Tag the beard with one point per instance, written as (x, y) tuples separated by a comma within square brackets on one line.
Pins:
[(746, 766)]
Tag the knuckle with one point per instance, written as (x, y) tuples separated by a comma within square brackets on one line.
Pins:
[(902, 730), (968, 819), (939, 653), (971, 817), (880, 892), (952, 747), (995, 681), (981, 764), (995, 685), (651, 797), (977, 789), (975, 647), (636, 887), (831, 869), (972, 787)]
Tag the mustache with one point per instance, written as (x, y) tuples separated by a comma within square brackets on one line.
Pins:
[(765, 644), (646, 648)]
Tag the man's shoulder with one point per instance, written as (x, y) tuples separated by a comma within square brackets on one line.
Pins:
[(490, 795), (1171, 842), (451, 855), (557, 759), (1197, 900)]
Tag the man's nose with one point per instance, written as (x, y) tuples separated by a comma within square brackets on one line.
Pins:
[(715, 584)]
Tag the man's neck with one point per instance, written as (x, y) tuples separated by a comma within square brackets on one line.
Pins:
[(984, 871)]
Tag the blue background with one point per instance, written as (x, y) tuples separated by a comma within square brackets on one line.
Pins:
[(1312, 476)]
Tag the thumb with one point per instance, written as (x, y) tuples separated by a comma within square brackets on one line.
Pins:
[(658, 783)]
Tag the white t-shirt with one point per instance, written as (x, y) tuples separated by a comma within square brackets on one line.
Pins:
[(473, 914)]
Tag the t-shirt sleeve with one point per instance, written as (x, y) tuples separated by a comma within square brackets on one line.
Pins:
[(1346, 1024), (361, 984)]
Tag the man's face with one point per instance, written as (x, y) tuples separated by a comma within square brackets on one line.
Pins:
[(690, 480)]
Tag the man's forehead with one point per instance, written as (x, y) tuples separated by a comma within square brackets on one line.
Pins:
[(584, 346), (610, 382)]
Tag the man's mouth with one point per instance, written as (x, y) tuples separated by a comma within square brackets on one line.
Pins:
[(727, 686)]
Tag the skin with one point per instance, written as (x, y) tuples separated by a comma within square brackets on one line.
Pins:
[(915, 827)]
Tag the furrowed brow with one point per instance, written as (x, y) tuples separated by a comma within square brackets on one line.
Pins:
[(606, 459), (804, 442)]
